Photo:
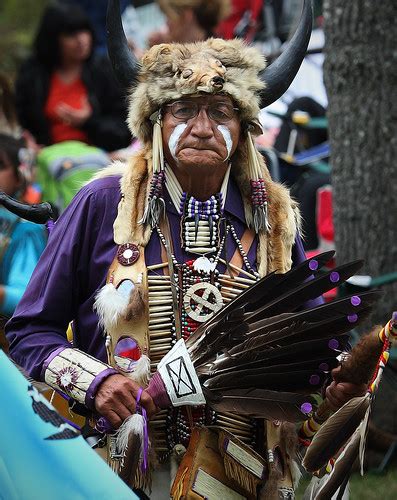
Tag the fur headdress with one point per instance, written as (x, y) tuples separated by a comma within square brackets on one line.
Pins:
[(216, 66), (237, 66)]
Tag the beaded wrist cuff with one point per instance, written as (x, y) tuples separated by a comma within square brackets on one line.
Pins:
[(77, 374)]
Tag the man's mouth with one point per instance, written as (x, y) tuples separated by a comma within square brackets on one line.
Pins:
[(200, 148)]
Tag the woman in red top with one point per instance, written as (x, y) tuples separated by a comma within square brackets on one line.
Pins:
[(63, 92)]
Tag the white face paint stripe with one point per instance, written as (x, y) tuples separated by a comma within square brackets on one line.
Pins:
[(227, 138), (174, 138)]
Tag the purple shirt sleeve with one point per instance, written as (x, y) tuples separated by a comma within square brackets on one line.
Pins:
[(63, 285)]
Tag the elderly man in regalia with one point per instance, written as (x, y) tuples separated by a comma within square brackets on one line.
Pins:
[(152, 249)]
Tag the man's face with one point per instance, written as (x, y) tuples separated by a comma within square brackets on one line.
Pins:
[(197, 144)]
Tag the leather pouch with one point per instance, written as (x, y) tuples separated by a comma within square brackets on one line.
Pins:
[(202, 472)]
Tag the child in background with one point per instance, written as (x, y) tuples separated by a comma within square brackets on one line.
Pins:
[(21, 242)]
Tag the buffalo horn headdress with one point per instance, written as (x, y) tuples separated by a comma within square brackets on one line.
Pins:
[(276, 78), (168, 72)]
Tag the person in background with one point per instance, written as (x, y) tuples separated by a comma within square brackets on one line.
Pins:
[(21, 242), (64, 92), (242, 21), (95, 10), (8, 118), (190, 20)]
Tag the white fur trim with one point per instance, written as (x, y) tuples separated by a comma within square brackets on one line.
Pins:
[(110, 305), (117, 168), (134, 424), (141, 373)]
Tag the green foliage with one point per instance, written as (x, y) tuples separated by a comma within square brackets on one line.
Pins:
[(371, 486), (18, 22)]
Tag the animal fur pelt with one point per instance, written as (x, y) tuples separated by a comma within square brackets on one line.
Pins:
[(170, 71), (274, 248), (283, 470), (358, 368)]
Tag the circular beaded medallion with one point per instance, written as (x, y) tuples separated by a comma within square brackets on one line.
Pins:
[(128, 254), (202, 301)]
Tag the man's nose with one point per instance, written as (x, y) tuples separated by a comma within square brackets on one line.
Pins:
[(202, 125)]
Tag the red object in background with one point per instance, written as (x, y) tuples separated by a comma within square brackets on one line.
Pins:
[(325, 230), (226, 29), (74, 94), (31, 195), (325, 223)]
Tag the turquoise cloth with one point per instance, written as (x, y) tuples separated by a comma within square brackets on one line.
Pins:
[(33, 467), (20, 258)]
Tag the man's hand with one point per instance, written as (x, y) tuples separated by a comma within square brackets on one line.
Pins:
[(338, 393), (116, 400)]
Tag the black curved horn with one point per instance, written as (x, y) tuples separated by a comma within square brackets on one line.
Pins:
[(38, 213), (125, 65), (279, 75)]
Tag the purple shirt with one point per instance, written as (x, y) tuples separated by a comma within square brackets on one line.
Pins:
[(74, 267)]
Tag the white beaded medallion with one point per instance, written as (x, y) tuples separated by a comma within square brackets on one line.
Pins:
[(202, 301)]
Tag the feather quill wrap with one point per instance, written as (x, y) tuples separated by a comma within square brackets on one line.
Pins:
[(341, 470), (335, 432)]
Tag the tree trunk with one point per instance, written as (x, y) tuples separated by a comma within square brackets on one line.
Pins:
[(360, 73)]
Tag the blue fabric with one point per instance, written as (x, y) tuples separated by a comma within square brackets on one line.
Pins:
[(33, 467), (20, 258)]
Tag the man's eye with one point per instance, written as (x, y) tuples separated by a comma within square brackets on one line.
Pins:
[(184, 110), (220, 113)]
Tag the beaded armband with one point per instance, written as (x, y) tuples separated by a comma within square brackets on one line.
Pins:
[(77, 374)]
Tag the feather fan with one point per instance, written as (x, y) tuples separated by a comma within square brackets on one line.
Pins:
[(324, 321), (306, 291), (264, 354), (271, 405)]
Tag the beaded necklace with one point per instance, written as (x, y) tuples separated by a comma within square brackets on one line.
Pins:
[(201, 291), (200, 232)]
